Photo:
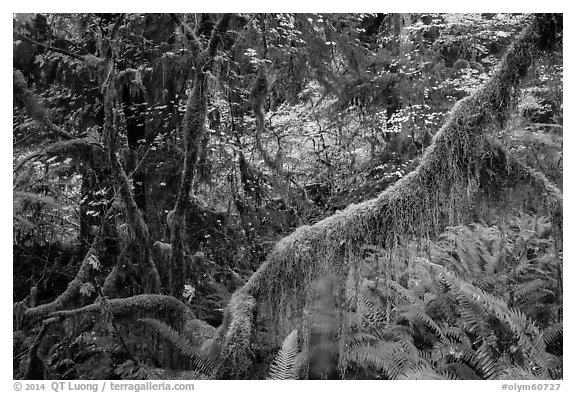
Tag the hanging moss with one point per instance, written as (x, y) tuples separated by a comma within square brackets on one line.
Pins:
[(445, 182)]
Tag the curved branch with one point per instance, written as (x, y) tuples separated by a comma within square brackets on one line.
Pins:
[(79, 147)]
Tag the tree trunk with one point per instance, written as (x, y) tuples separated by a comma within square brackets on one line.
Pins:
[(193, 130)]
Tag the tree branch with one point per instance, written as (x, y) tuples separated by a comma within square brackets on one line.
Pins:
[(79, 147), (158, 306), (33, 105), (49, 47), (84, 272)]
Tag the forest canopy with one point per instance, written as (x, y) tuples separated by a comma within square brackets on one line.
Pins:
[(287, 196)]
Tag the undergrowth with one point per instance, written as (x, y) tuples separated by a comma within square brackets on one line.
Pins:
[(482, 303)]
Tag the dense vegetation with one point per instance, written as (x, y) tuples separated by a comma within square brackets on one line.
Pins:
[(358, 196)]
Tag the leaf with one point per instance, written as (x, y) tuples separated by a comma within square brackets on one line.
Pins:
[(283, 365), (200, 362), (87, 289), (188, 292), (94, 262)]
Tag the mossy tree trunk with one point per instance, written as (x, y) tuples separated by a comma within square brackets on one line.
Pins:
[(139, 243), (133, 98), (193, 131)]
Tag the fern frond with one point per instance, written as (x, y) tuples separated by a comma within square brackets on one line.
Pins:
[(517, 372), (388, 357), (485, 362), (404, 292), (460, 371), (364, 338), (474, 320), (182, 344), (456, 333), (476, 252), (283, 366), (443, 351), (421, 371), (553, 333), (416, 316), (524, 290), (372, 314), (406, 340), (529, 336)]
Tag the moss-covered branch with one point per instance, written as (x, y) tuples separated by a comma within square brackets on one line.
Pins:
[(86, 270), (162, 307), (195, 116), (34, 107), (69, 295), (76, 148), (441, 187)]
